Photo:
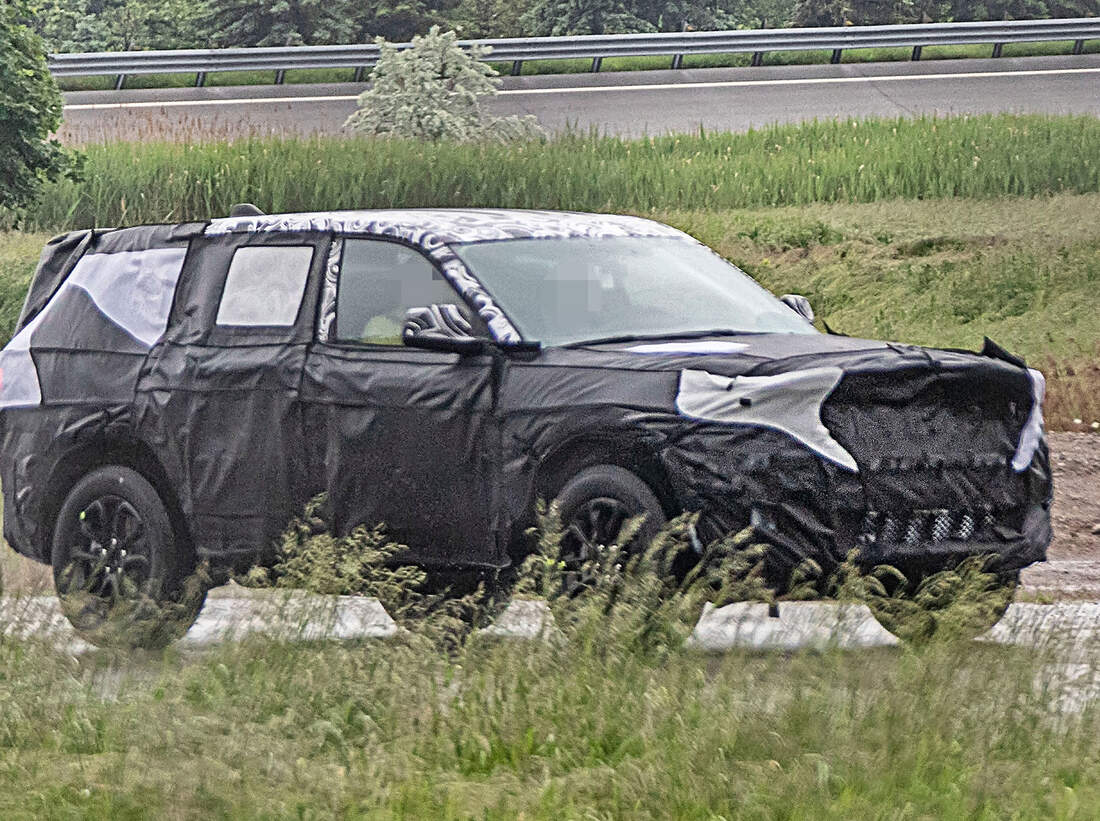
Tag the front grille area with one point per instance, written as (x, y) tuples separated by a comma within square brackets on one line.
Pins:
[(916, 420), (912, 527)]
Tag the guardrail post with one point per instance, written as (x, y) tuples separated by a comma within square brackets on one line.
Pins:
[(997, 49), (120, 80), (280, 76), (359, 72), (517, 67), (916, 52), (1078, 46), (757, 58), (200, 79), (596, 63), (836, 56), (677, 60)]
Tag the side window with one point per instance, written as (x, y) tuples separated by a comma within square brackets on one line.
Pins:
[(379, 282), (265, 285)]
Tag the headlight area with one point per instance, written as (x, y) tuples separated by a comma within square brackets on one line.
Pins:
[(788, 402), (1032, 434)]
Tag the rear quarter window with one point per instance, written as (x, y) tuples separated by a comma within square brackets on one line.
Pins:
[(265, 285)]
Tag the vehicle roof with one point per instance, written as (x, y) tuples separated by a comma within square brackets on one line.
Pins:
[(446, 226)]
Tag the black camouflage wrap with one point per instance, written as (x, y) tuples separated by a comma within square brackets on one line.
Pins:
[(910, 455)]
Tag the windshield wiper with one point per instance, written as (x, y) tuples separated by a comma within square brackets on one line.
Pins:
[(610, 340)]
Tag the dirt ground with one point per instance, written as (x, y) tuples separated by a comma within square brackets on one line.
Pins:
[(1075, 459), (1073, 567)]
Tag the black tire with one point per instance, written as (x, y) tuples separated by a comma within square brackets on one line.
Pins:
[(122, 576), (594, 505)]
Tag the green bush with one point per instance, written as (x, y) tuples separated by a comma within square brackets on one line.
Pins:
[(433, 91)]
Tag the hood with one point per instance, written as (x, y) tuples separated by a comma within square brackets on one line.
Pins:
[(726, 355), (823, 389), (771, 354)]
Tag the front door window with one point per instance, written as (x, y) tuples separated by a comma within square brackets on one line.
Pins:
[(379, 281)]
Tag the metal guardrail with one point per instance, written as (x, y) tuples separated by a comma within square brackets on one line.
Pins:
[(595, 47)]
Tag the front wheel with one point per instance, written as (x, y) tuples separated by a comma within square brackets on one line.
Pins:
[(122, 576), (596, 503)]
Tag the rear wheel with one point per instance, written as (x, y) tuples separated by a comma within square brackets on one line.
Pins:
[(122, 576)]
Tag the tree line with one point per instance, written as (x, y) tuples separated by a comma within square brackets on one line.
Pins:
[(111, 25)]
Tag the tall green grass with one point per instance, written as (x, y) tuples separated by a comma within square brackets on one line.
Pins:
[(612, 719), (820, 162), (265, 730)]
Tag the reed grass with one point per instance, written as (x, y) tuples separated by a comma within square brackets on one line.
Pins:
[(818, 162)]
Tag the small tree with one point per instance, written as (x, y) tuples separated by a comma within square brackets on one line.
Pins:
[(477, 19), (30, 111), (559, 18), (962, 10), (822, 12), (433, 91), (282, 23)]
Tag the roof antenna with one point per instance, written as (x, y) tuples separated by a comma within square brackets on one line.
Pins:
[(245, 209)]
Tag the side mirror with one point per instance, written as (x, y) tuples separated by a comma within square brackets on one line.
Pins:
[(441, 328), (800, 305)]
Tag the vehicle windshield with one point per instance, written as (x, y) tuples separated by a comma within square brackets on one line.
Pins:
[(570, 291)]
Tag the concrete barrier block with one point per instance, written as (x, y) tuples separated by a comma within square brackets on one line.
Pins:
[(524, 619), (743, 624), (1069, 629), (39, 618), (847, 625), (275, 614), (290, 616), (798, 625)]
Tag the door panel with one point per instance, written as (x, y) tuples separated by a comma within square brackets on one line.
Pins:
[(407, 439), (402, 437), (220, 403)]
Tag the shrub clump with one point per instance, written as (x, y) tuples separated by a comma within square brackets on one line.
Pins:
[(624, 597), (367, 562), (432, 91)]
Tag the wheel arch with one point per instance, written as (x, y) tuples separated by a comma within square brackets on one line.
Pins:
[(633, 453), (82, 458)]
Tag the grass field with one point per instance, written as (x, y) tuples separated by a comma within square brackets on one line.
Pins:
[(269, 731)]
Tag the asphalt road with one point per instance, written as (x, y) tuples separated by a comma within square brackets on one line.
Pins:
[(627, 103)]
